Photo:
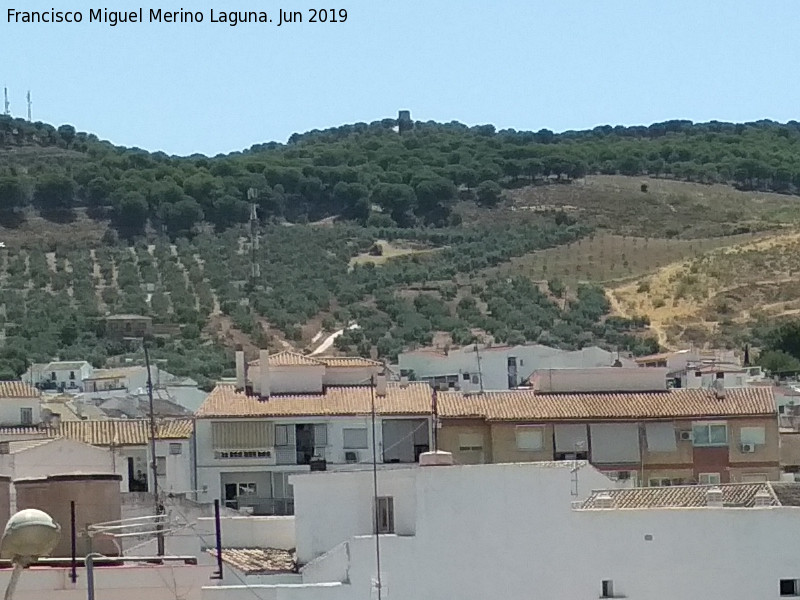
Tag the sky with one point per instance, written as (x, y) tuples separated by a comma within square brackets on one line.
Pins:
[(564, 64)]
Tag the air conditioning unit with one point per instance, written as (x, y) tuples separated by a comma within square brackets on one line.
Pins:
[(747, 448), (351, 457), (686, 436)]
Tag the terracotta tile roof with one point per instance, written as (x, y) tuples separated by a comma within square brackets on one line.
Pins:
[(252, 561), (66, 365), (348, 361), (288, 359), (17, 389), (225, 401), (787, 493), (512, 405), (527, 405), (123, 432), (681, 496)]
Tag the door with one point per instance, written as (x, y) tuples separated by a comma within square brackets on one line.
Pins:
[(231, 495)]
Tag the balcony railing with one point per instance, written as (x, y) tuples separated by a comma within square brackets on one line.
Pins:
[(263, 506)]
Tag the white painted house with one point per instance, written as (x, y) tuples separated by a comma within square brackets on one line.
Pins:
[(129, 442), (19, 404), (476, 368), (58, 375), (534, 530), (56, 456), (300, 413)]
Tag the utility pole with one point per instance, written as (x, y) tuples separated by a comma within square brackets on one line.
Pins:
[(30, 117), (154, 464), (6, 103)]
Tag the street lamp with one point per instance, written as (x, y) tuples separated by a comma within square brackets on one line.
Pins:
[(29, 535)]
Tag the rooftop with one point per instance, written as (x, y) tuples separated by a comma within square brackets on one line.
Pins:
[(511, 405), (348, 361), (127, 317), (692, 496), (17, 389), (124, 432), (289, 359), (255, 561), (65, 365)]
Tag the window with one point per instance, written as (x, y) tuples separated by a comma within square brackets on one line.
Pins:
[(175, 448), (665, 482), (241, 435), (754, 478), (354, 438), (790, 587), (320, 435), (698, 373), (246, 489), (528, 438), (470, 442), (710, 434), (72, 374), (26, 416), (466, 376), (161, 466), (720, 375), (708, 478), (282, 435), (475, 379), (753, 435), (607, 590), (53, 376), (384, 513)]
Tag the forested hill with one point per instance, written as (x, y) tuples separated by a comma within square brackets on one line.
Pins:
[(370, 173)]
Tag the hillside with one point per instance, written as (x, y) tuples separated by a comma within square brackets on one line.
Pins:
[(442, 235)]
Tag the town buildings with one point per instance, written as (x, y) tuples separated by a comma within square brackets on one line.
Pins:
[(58, 375), (490, 368), (128, 326), (548, 530)]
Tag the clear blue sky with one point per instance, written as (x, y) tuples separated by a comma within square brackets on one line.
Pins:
[(556, 64)]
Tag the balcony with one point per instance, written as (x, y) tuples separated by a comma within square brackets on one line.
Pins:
[(272, 507)]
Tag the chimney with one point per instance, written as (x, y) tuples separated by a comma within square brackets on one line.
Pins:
[(263, 373), (604, 500), (714, 497), (380, 384), (404, 381), (240, 372), (762, 498)]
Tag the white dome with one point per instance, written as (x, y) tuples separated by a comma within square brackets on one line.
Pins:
[(29, 533)]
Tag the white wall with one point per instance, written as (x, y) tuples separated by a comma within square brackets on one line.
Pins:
[(296, 379), (348, 509), (252, 532), (602, 379), (350, 375), (494, 363), (132, 582), (10, 411)]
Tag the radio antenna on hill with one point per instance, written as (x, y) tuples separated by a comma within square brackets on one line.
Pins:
[(6, 103), (29, 107), (255, 268)]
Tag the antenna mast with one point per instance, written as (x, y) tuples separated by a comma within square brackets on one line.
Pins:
[(6, 103), (255, 268), (30, 118)]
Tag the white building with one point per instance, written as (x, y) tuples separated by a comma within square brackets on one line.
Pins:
[(535, 530), (475, 368), (56, 456), (58, 375), (129, 442), (19, 404), (298, 413)]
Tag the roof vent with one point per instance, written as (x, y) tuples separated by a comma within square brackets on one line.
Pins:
[(719, 389), (437, 458), (762, 498), (714, 497), (604, 500), (404, 381)]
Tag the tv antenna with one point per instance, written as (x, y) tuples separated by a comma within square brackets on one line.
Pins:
[(6, 103), (29, 106), (255, 268)]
